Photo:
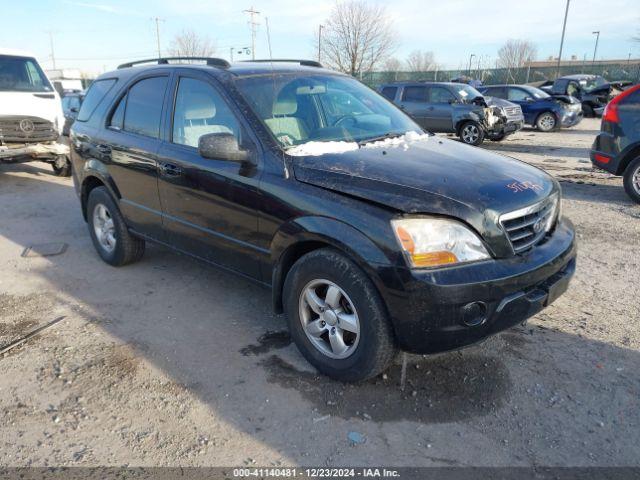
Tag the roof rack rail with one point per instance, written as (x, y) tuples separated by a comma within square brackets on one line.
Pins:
[(211, 61), (306, 63)]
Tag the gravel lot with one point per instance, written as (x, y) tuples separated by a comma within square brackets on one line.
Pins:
[(171, 362)]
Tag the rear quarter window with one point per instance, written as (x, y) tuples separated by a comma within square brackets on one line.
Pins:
[(95, 95)]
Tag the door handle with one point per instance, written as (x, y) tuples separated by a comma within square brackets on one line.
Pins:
[(170, 169)]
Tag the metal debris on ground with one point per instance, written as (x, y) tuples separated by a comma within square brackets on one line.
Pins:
[(45, 250), (20, 341)]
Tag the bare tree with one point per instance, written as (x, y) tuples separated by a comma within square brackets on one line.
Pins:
[(392, 64), (516, 54), (357, 36), (421, 61), (188, 43)]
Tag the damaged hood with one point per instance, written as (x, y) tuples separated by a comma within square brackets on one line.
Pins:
[(432, 176)]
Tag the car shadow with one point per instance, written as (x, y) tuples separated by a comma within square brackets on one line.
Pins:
[(215, 334)]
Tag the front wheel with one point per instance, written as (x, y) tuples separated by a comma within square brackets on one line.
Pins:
[(546, 122), (337, 318), (62, 166), (587, 111), (472, 133), (632, 180)]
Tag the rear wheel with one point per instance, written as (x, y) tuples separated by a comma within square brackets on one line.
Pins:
[(546, 122), (337, 318), (632, 180), (109, 232), (62, 166), (472, 133)]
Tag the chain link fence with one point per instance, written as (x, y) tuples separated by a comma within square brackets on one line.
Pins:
[(613, 71)]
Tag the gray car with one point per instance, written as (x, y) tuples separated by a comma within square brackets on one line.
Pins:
[(456, 108)]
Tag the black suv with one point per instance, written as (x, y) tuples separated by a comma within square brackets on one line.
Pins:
[(373, 235), (616, 149)]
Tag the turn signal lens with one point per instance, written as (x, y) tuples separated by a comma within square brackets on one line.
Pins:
[(433, 259)]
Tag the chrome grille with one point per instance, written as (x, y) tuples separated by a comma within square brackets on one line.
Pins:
[(528, 226), (513, 113), (23, 129)]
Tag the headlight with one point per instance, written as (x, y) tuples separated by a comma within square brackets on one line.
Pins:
[(434, 242)]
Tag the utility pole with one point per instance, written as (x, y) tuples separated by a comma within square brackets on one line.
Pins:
[(254, 27), (319, 42), (595, 49), (470, 58), (158, 20), (53, 55), (564, 27)]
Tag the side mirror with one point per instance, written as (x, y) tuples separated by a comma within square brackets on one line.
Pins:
[(221, 146), (74, 109), (528, 99)]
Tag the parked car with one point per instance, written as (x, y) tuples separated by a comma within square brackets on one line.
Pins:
[(592, 90), (616, 149), (455, 108), (373, 235), (70, 107), (30, 114), (538, 107)]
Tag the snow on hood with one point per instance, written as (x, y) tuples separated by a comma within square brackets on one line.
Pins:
[(313, 149)]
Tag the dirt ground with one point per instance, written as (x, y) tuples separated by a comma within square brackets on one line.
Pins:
[(171, 362)]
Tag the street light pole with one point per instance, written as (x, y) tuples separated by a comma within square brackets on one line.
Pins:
[(319, 41), (564, 27), (470, 58), (595, 49)]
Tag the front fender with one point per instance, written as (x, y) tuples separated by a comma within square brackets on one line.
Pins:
[(304, 234)]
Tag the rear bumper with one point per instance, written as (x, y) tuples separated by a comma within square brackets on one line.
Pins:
[(605, 153), (451, 308)]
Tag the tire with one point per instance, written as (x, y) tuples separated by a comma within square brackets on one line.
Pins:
[(632, 180), (471, 133), (587, 111), (369, 351), (546, 122), (117, 246), (62, 167)]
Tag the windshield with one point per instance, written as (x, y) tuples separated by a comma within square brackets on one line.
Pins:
[(467, 92), (589, 84), (326, 108), (536, 92), (22, 74)]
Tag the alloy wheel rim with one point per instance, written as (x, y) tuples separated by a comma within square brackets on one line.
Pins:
[(635, 180), (547, 122), (470, 133), (104, 228), (329, 319)]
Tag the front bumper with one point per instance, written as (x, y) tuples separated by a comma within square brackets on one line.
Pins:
[(571, 118), (439, 310), (38, 151), (512, 127)]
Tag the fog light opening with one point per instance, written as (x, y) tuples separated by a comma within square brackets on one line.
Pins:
[(474, 314)]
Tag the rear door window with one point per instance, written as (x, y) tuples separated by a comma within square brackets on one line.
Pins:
[(414, 94), (389, 93), (144, 107), (97, 91)]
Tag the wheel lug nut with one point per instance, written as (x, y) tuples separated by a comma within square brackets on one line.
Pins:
[(333, 330), (323, 323)]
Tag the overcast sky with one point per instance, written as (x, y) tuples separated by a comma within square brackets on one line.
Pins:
[(95, 35)]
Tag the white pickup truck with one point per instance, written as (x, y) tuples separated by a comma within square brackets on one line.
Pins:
[(31, 118)]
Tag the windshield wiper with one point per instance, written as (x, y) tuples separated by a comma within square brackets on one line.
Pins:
[(379, 138)]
